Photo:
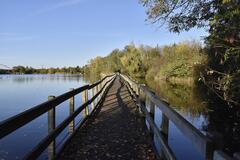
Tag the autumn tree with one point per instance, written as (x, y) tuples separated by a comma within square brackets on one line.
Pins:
[(222, 19)]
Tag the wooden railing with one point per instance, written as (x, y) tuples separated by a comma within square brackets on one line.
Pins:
[(147, 101), (99, 90)]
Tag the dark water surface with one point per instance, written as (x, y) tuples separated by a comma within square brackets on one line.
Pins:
[(208, 114), (21, 92)]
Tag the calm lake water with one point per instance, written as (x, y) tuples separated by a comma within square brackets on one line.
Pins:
[(21, 92)]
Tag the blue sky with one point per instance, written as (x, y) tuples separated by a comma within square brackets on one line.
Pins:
[(57, 33)]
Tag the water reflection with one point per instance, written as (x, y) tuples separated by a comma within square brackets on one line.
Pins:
[(21, 92), (37, 77), (185, 98), (205, 111)]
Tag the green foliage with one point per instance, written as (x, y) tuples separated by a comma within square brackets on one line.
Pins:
[(180, 14), (187, 98), (221, 74), (132, 60), (3, 71), (30, 70), (178, 60), (223, 70)]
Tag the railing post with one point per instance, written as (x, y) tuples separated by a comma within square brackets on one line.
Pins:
[(51, 127), (96, 93), (133, 87), (142, 97), (100, 87), (71, 110), (93, 102), (138, 89), (103, 83), (164, 127), (84, 100), (152, 114), (151, 109)]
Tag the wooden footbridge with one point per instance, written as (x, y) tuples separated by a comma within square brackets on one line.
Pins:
[(116, 126)]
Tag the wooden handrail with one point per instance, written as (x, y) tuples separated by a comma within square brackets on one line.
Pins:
[(48, 139), (13, 123), (165, 147), (202, 142)]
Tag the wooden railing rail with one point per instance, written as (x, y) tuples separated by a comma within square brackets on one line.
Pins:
[(147, 100), (53, 134), (10, 125), (168, 153)]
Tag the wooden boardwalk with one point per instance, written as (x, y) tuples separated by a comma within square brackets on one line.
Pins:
[(117, 131)]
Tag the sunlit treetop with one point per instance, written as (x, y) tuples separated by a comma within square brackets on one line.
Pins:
[(182, 15)]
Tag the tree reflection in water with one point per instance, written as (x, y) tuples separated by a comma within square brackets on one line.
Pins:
[(221, 121)]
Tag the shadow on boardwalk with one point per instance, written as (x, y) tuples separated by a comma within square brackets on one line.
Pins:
[(117, 131)]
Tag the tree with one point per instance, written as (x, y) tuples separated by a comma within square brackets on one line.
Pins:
[(222, 17), (132, 61), (180, 14), (18, 69)]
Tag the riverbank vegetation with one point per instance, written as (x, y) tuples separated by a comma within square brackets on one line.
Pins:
[(31, 70), (178, 62), (221, 74), (216, 66)]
